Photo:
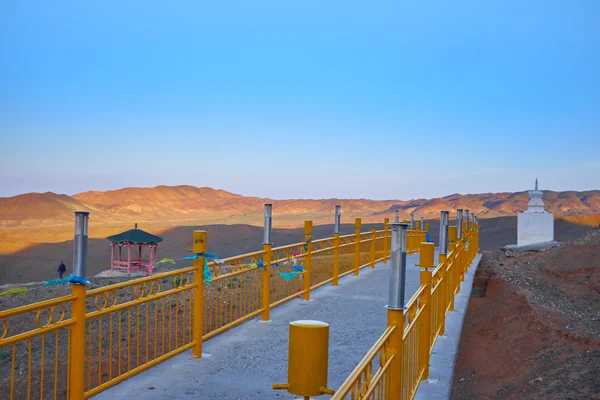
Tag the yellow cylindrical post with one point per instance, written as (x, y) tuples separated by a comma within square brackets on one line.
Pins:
[(386, 237), (198, 314), (396, 318), (308, 359), (357, 226), (77, 350), (417, 225), (307, 257), (426, 227), (452, 234), (373, 243), (425, 341), (426, 255)]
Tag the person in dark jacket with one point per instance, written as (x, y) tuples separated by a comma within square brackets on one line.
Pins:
[(61, 270)]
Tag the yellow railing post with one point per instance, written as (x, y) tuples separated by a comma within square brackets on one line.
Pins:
[(396, 318), (266, 282), (198, 322), (266, 270), (460, 250), (76, 388), (357, 226), (336, 244), (450, 281), (77, 350), (386, 237), (464, 256), (443, 303), (307, 257), (396, 308), (426, 256), (336, 258), (373, 236), (453, 264), (426, 333), (417, 238)]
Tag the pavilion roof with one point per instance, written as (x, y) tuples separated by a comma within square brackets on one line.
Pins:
[(136, 236)]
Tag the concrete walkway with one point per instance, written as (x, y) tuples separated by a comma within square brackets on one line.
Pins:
[(244, 362)]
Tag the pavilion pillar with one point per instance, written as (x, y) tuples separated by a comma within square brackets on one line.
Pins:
[(150, 258), (128, 258), (155, 253), (120, 256), (112, 256), (140, 255)]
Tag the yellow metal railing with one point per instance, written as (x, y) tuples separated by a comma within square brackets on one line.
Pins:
[(134, 325), (76, 346), (418, 325), (371, 379)]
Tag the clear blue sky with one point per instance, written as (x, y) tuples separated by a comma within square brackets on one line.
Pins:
[(300, 99)]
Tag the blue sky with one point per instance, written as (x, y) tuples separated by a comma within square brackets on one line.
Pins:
[(303, 99)]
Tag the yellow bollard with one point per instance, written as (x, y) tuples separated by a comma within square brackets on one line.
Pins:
[(308, 359), (426, 227), (426, 255)]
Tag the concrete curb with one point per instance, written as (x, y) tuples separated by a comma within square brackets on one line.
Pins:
[(443, 357)]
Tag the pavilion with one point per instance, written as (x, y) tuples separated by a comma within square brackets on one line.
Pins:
[(131, 239)]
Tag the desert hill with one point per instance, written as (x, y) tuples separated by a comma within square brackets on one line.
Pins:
[(185, 203), (33, 219)]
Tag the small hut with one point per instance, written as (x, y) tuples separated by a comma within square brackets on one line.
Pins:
[(132, 239)]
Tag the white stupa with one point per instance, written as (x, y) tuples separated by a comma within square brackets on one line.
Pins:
[(535, 225)]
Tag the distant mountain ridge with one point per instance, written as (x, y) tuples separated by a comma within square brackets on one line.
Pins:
[(181, 203)]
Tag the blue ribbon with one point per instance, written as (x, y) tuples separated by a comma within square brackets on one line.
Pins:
[(79, 280), (288, 276), (207, 275), (207, 255)]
